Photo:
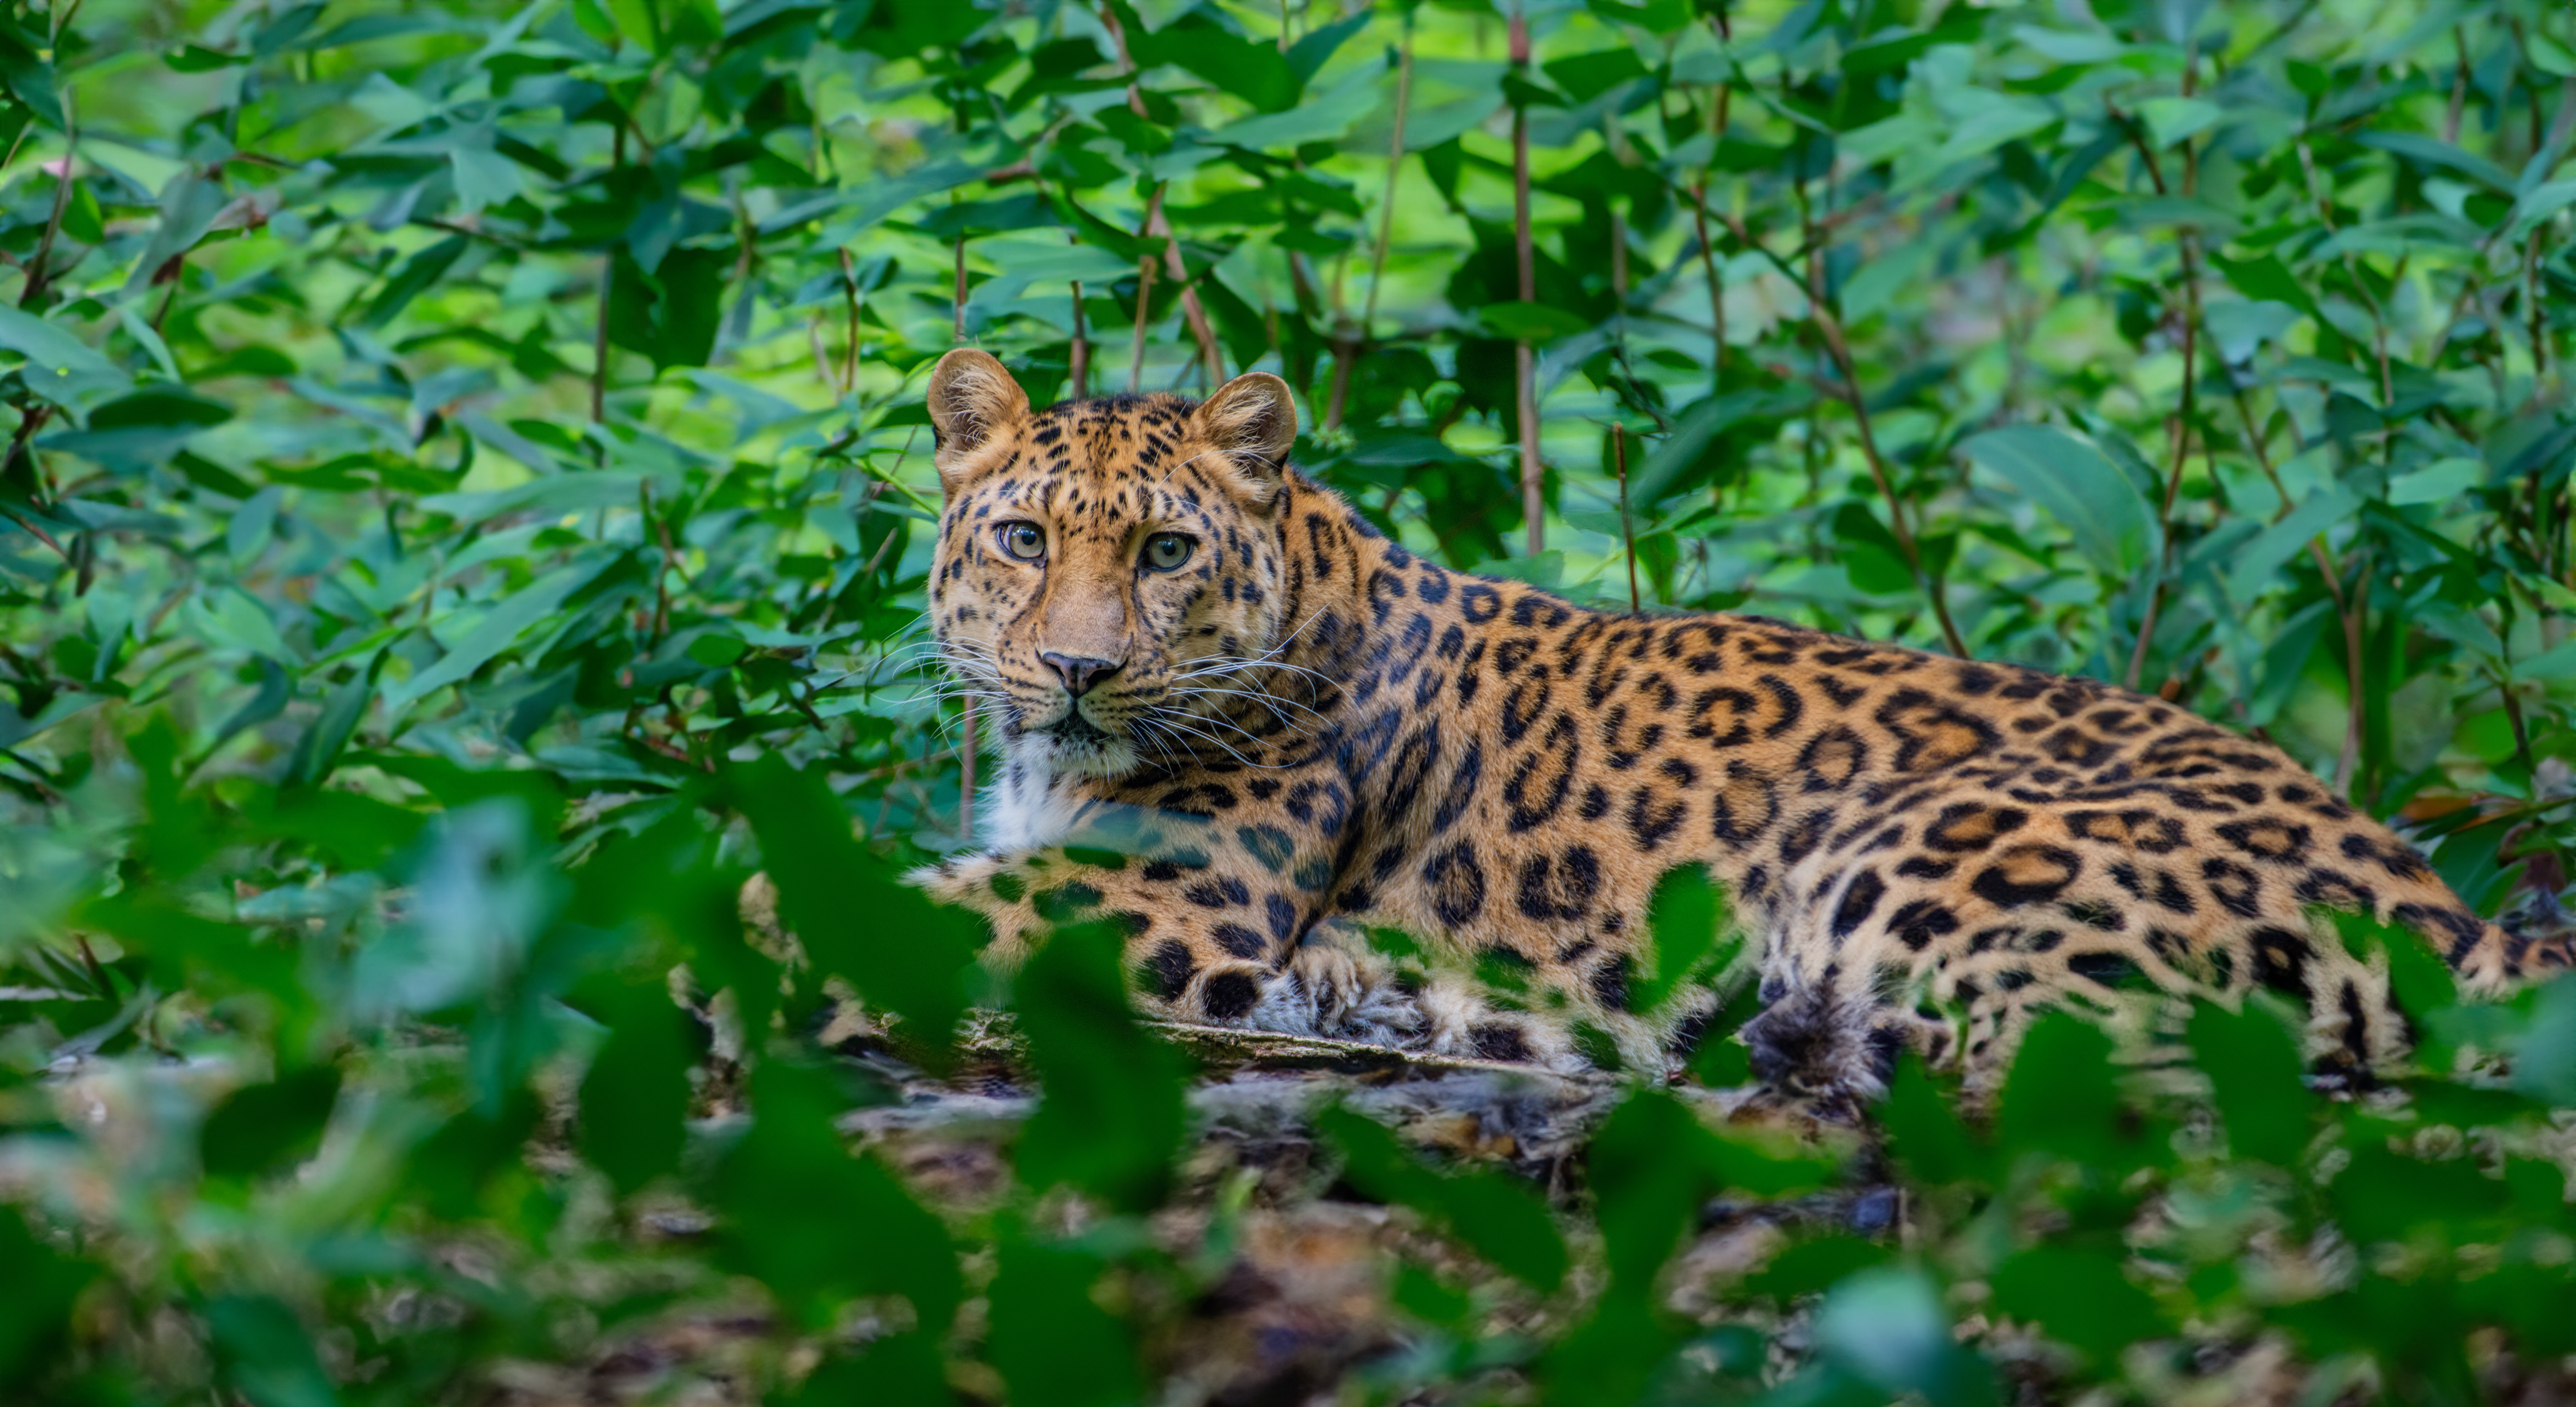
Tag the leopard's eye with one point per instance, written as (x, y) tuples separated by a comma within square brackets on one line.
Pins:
[(1021, 540), (1165, 552)]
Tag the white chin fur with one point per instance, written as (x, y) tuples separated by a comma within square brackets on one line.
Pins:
[(1030, 805)]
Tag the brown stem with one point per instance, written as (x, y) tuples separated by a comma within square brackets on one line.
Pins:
[(2352, 270), (2459, 85), (1193, 311), (1078, 370), (2184, 419), (40, 267), (599, 340), (1144, 299), (1394, 165), (1345, 351), (850, 319), (2353, 725), (1524, 363), (38, 529), (670, 563), (2532, 319), (1348, 345), (1878, 473), (2333, 578), (1716, 292), (1627, 538)]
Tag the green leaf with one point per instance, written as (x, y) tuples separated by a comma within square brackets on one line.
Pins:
[(1685, 918), (1051, 1341), (717, 651), (411, 278), (43, 1285), (876, 1240), (260, 1126), (1870, 552), (267, 1354), (838, 899), (2075, 485), (635, 1095), (58, 366), (2544, 1063), (2253, 1063), (2059, 1096), (496, 632), (1885, 1326), (1112, 1118), (1532, 322), (1499, 1218), (2265, 278), (2270, 550), (2439, 482), (2082, 1298)]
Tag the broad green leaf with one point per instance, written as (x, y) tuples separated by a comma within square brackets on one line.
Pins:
[(1111, 1118), (1500, 1219), (259, 1126), (2082, 1298), (2073, 483), (2253, 1062), (267, 1354), (59, 366), (498, 631), (635, 1095), (2260, 559), (2438, 482), (773, 1182)]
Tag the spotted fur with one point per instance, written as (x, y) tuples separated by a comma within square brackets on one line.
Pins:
[(1307, 729)]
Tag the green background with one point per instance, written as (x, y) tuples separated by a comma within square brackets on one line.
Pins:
[(467, 501)]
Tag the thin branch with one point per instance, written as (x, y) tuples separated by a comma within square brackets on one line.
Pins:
[(40, 267), (1144, 300), (1524, 362), (2183, 422), (1346, 346), (1627, 535)]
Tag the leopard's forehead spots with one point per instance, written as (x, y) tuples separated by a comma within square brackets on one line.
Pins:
[(1101, 466)]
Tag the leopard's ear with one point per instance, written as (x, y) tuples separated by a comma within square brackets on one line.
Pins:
[(972, 400), (1253, 418)]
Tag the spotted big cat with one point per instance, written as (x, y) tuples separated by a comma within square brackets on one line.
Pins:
[(1246, 728)]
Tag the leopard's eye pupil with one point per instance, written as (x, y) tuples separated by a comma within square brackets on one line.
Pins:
[(1167, 551), (1024, 541)]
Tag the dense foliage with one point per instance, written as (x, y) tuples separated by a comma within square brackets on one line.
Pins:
[(467, 508)]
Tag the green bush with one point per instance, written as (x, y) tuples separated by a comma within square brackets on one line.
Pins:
[(467, 508)]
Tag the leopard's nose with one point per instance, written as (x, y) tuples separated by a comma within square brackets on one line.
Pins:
[(1080, 673)]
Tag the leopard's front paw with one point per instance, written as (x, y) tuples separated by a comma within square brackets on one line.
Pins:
[(965, 880), (1330, 988)]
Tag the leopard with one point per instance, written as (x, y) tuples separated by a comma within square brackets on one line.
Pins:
[(1249, 732)]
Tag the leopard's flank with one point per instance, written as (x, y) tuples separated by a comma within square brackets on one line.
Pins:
[(1240, 723)]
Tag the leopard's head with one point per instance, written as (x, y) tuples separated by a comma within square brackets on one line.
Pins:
[(1108, 570)]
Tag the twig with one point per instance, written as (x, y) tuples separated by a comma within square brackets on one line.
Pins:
[(599, 340), (38, 529), (1627, 537), (40, 266), (2326, 567), (1524, 362), (1078, 355), (1144, 299), (850, 302), (670, 563), (607, 294), (1193, 310), (1346, 348)]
